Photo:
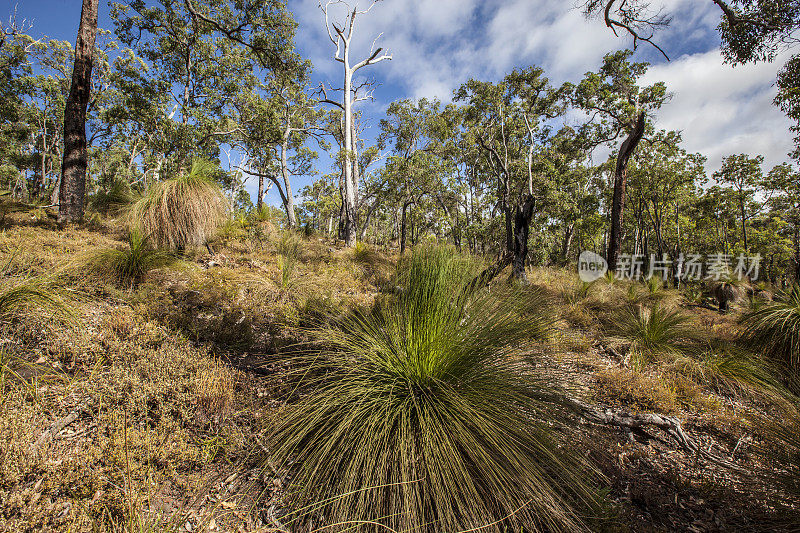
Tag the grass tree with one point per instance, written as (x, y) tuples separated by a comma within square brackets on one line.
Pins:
[(418, 416), (657, 332), (774, 330), (181, 211), (129, 266)]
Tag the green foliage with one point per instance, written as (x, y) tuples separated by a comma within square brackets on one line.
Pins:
[(655, 333), (181, 211), (128, 266), (774, 331), (418, 418)]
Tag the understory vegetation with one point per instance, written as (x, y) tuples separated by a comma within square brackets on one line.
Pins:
[(369, 391), (205, 326)]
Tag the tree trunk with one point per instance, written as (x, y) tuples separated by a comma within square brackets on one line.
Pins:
[(72, 189), (349, 196), (260, 200), (403, 228), (287, 187), (620, 182), (568, 234), (744, 225), (522, 221)]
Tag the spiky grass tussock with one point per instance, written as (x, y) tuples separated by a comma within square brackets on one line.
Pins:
[(654, 333), (24, 296), (181, 211), (420, 419), (288, 248), (128, 266), (774, 331)]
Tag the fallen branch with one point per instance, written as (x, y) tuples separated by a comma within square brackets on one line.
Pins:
[(58, 425), (668, 424)]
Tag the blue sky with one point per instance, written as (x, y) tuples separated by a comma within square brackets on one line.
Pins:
[(438, 44)]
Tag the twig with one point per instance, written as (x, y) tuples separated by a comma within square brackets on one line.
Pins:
[(58, 425)]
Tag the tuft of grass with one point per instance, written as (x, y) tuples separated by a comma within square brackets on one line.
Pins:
[(288, 248), (417, 417), (23, 296), (655, 333), (774, 331), (128, 266), (181, 211)]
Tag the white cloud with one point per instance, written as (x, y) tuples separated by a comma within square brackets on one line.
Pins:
[(439, 44), (723, 110)]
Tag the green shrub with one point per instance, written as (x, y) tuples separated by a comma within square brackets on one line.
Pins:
[(655, 333), (418, 418), (22, 296), (288, 248)]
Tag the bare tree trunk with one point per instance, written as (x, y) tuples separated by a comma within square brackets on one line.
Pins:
[(569, 232), (403, 228), (620, 182), (260, 200), (744, 225), (522, 221), (287, 187), (72, 190)]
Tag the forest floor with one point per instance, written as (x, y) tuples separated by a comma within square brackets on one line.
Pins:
[(151, 414)]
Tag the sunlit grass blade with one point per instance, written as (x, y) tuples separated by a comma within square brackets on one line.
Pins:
[(417, 416)]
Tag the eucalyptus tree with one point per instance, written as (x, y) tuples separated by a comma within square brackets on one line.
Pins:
[(416, 167), (507, 120), (341, 35), (784, 182), (743, 175), (72, 188), (618, 107), (203, 54), (751, 31), (664, 180), (276, 121)]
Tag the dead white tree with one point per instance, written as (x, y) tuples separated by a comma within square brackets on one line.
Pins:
[(341, 35)]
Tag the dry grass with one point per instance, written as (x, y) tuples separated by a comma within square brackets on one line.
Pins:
[(181, 211), (164, 419)]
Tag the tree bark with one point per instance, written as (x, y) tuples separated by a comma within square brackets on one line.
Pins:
[(620, 182), (522, 221), (569, 232), (72, 190), (403, 228), (287, 186), (260, 200)]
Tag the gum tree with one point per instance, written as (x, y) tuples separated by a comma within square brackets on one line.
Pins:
[(618, 108), (341, 35), (72, 190)]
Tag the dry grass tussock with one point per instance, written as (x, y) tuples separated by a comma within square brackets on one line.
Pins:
[(181, 211)]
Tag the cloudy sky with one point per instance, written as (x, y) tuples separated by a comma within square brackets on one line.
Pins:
[(438, 44)]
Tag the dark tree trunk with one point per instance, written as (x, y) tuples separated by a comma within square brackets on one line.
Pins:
[(260, 201), (522, 222), (342, 214), (72, 190), (620, 182)]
